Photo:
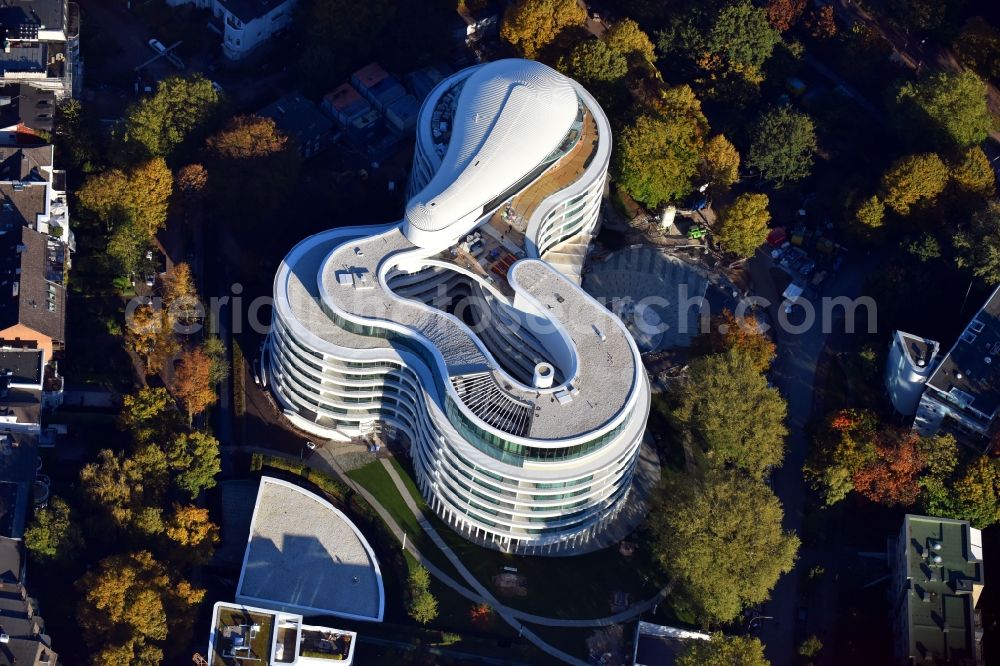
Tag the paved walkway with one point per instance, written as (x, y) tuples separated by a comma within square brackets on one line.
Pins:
[(323, 462)]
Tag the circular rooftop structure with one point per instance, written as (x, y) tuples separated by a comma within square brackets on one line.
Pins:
[(305, 556)]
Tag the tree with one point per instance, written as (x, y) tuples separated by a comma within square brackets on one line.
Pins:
[(977, 247), (128, 489), (421, 605), (126, 244), (253, 164), (742, 37), (973, 172), (657, 156), (481, 614), (215, 350), (131, 600), (193, 382), (944, 111), (149, 333), (193, 533), (54, 535), (140, 195), (722, 162), (627, 38), (721, 538), (157, 124), (593, 61), (784, 14), (842, 448), (871, 212), (723, 650), (892, 477), (180, 296), (739, 419), (741, 336), (810, 647), (194, 458), (821, 22), (978, 47), (977, 493), (191, 181), (784, 141), (149, 415), (743, 226), (913, 179), (924, 248), (531, 25)]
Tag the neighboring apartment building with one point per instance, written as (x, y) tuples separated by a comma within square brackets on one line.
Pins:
[(245, 24), (248, 635), (300, 119), (23, 641), (937, 582), (26, 111), (32, 290), (524, 417), (959, 392), (41, 45)]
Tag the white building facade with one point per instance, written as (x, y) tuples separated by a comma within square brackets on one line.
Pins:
[(523, 400), (245, 24)]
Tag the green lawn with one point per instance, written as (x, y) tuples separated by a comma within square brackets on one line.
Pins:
[(376, 480), (577, 587)]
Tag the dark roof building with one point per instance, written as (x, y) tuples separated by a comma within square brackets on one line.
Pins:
[(26, 642), (21, 368), (41, 37), (422, 81), (32, 291), (302, 120), (18, 468), (936, 588), (402, 115), (25, 106), (23, 19), (962, 393)]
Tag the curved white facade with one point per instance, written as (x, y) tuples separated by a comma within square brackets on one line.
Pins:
[(523, 399)]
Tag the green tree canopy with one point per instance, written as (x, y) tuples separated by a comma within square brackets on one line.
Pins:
[(784, 141), (977, 246), (742, 36), (944, 111), (156, 125), (657, 156), (421, 604), (593, 61), (722, 162), (721, 538), (54, 535), (723, 650), (531, 25), (627, 38), (729, 408), (194, 458), (128, 489), (743, 225), (871, 212), (973, 172), (975, 494), (149, 415), (913, 179)]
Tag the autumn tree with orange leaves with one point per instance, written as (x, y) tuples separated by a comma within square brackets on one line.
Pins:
[(892, 478), (784, 14), (740, 335), (192, 384)]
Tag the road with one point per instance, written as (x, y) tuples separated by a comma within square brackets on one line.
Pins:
[(794, 373), (913, 51)]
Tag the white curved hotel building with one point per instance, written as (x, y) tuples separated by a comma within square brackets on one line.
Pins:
[(462, 326)]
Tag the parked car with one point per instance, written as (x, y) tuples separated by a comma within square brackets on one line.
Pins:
[(157, 46)]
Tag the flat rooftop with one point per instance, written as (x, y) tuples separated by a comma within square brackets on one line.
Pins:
[(606, 367), (305, 556), (943, 568)]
